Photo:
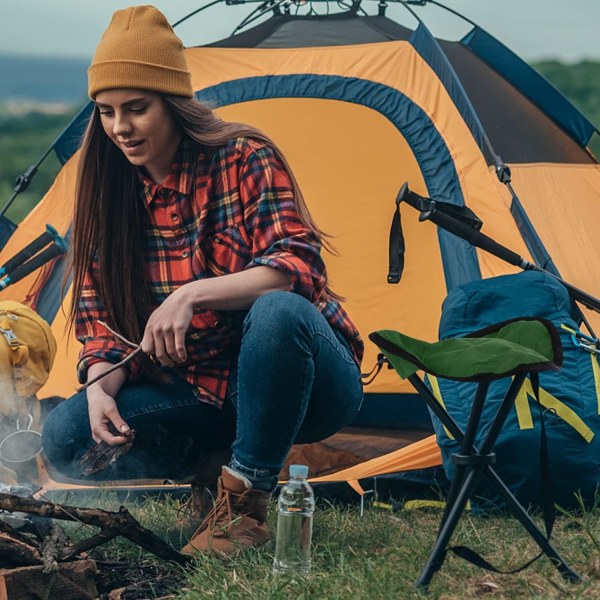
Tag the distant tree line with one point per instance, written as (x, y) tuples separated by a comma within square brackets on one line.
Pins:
[(23, 139)]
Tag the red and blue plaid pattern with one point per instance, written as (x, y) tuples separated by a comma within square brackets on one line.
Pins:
[(219, 211)]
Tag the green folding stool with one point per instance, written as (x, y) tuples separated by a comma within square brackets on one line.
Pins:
[(514, 348)]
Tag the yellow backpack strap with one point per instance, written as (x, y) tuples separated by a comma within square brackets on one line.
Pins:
[(522, 407), (596, 373), (567, 414), (437, 394), (18, 352)]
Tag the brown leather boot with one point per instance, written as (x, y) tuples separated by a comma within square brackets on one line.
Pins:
[(237, 520)]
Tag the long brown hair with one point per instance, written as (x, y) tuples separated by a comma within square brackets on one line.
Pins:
[(108, 218)]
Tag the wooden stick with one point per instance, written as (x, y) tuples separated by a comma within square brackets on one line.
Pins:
[(137, 350), (121, 521), (84, 545), (116, 366)]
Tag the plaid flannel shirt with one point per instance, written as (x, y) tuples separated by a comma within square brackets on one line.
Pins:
[(218, 211)]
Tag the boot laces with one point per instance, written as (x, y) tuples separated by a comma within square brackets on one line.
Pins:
[(224, 513)]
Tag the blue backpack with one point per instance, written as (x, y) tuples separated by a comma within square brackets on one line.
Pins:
[(569, 398)]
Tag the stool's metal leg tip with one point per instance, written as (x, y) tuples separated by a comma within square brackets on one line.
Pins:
[(422, 583), (563, 568), (571, 576)]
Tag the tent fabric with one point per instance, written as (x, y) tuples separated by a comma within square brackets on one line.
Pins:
[(358, 109), (435, 161), (519, 131), (563, 204), (287, 31), (66, 145), (420, 455)]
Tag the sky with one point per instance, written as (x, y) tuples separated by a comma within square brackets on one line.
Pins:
[(568, 30)]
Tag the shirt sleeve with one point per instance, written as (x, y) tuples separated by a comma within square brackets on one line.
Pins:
[(98, 343), (279, 237)]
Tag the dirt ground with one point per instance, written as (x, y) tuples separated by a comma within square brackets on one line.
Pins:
[(120, 581)]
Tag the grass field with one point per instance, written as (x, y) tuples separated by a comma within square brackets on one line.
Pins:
[(377, 556)]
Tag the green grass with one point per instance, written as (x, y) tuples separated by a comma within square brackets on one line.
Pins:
[(378, 556)]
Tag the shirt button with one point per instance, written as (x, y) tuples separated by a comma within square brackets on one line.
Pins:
[(185, 254), (174, 217)]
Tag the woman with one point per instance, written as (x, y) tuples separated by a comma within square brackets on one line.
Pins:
[(190, 235)]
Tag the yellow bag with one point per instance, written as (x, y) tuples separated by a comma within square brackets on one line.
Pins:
[(27, 351)]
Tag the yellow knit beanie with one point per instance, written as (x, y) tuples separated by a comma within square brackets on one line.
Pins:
[(140, 50)]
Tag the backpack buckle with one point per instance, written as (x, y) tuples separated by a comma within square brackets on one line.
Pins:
[(10, 337)]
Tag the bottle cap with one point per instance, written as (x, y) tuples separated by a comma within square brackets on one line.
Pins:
[(298, 470)]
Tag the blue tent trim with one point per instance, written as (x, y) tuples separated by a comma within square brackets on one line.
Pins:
[(459, 258), (7, 228), (51, 296), (532, 240), (431, 52), (530, 83)]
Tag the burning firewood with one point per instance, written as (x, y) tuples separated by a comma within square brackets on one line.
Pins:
[(100, 456)]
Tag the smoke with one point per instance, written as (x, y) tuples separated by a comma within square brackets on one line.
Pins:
[(20, 439)]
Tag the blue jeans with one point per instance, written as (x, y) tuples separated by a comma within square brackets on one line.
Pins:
[(293, 381)]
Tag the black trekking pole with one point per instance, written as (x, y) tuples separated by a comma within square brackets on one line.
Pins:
[(37, 253), (462, 222)]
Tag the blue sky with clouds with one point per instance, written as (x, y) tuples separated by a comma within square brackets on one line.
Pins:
[(565, 29)]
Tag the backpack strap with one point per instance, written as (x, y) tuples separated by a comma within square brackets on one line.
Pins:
[(18, 352)]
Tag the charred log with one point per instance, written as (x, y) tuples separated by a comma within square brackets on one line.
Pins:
[(16, 552)]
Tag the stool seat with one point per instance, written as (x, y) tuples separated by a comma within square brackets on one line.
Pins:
[(512, 348), (504, 349)]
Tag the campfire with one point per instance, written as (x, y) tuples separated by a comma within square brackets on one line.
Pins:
[(39, 561)]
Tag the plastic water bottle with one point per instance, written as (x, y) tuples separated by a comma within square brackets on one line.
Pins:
[(296, 506)]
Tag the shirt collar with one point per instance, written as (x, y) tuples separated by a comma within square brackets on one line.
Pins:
[(179, 178)]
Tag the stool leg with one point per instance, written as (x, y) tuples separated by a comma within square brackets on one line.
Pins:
[(438, 552), (436, 557), (513, 504), (534, 531), (466, 446)]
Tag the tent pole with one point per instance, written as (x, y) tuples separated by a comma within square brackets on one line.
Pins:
[(23, 180), (195, 12)]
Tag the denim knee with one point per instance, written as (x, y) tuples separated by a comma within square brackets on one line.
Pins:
[(278, 313), (63, 431)]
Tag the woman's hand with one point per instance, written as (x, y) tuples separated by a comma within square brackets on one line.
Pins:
[(103, 413), (165, 331)]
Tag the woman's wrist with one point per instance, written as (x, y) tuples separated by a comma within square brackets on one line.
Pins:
[(95, 392), (188, 295), (107, 386)]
